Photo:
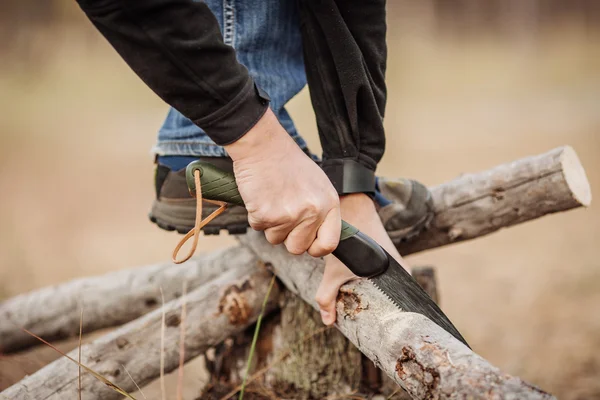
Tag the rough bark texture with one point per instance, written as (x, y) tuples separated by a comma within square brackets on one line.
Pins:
[(476, 204), (417, 354), (410, 349), (108, 300), (426, 278), (306, 360), (215, 311), (470, 206)]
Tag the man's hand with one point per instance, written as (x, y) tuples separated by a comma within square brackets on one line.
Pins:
[(359, 210), (286, 194)]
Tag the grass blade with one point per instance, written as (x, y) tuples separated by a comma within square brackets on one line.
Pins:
[(254, 339), (134, 382), (91, 371), (182, 343), (281, 357)]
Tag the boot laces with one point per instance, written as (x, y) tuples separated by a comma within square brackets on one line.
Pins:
[(200, 223)]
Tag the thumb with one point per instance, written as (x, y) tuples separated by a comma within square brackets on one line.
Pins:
[(336, 274)]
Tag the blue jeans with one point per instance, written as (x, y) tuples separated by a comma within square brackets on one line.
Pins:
[(267, 39)]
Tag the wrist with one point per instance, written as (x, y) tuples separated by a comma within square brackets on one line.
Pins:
[(358, 209), (265, 137), (357, 201)]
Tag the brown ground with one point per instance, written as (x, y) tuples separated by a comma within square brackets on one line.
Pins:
[(76, 179)]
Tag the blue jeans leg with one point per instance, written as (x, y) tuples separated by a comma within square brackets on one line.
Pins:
[(267, 39)]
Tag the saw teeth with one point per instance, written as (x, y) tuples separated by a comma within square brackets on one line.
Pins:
[(386, 295)]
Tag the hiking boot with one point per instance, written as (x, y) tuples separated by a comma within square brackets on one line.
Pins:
[(404, 206), (174, 209)]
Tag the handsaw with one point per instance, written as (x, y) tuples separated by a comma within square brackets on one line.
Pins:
[(361, 254)]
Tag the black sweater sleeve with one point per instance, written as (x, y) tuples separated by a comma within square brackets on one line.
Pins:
[(345, 52), (176, 48)]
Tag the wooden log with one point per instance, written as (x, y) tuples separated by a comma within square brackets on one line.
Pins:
[(477, 204), (417, 354), (108, 300), (426, 277), (470, 206), (305, 360), (414, 352), (215, 311)]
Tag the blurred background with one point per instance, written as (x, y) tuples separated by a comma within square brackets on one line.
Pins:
[(472, 84)]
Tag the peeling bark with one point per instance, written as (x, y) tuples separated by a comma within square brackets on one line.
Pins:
[(413, 351), (135, 347), (108, 300), (470, 206), (474, 205), (417, 354)]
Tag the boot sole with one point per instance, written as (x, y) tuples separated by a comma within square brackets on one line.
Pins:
[(176, 216)]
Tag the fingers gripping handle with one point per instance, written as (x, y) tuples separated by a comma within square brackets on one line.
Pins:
[(356, 250)]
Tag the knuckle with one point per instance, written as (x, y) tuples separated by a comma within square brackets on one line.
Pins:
[(274, 240), (255, 223), (294, 247), (285, 219), (295, 250), (329, 245), (263, 218), (316, 252), (273, 237), (312, 209)]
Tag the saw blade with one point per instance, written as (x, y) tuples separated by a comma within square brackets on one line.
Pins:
[(404, 291)]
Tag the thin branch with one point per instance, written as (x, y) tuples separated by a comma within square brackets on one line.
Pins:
[(162, 348), (182, 343)]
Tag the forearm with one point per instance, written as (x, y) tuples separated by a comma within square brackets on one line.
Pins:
[(345, 57), (176, 48)]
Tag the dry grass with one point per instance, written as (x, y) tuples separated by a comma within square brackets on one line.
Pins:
[(76, 178)]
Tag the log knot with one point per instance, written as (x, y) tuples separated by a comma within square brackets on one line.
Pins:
[(121, 342), (351, 302), (172, 320), (416, 376), (234, 304)]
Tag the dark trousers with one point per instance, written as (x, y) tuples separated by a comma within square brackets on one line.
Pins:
[(345, 58)]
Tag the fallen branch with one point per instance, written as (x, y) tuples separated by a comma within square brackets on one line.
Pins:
[(109, 300), (215, 311), (417, 354), (468, 207), (477, 204), (412, 350)]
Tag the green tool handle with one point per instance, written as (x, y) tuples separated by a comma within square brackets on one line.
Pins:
[(356, 250)]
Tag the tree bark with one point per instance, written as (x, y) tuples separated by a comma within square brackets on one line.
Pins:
[(215, 311), (413, 351), (417, 354), (468, 207), (108, 300), (477, 204)]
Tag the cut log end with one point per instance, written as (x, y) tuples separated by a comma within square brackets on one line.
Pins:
[(575, 176)]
